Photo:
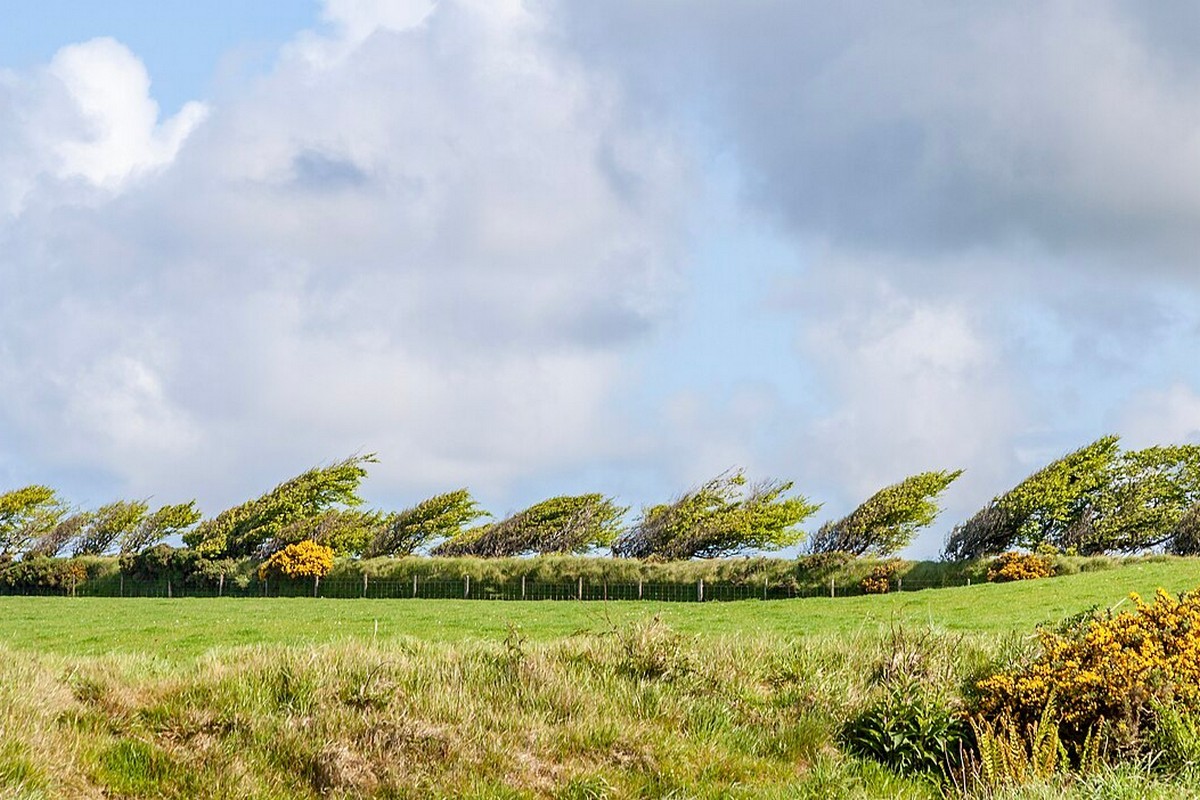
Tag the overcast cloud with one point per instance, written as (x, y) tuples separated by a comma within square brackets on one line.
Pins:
[(521, 247)]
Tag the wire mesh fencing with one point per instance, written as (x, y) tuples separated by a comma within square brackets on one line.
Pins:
[(465, 588)]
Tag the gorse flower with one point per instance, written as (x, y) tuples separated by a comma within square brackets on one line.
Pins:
[(305, 559)]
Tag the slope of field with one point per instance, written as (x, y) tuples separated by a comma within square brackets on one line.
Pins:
[(279, 698), (183, 628)]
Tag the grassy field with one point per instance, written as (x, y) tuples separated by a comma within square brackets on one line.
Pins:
[(185, 628), (286, 698)]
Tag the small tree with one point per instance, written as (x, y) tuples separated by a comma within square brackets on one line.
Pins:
[(167, 521), (1048, 502), (109, 524), (719, 518), (889, 519), (27, 515), (245, 529), (54, 541), (442, 516), (565, 524)]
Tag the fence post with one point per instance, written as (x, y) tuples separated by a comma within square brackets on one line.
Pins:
[(169, 587), (700, 590), (580, 587), (221, 584), (364, 594), (316, 585), (522, 587), (639, 588), (414, 585), (122, 584), (764, 587), (831, 589), (467, 587), (606, 590), (968, 581), (899, 584)]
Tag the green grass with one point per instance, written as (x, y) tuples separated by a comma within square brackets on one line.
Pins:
[(307, 698), (185, 628)]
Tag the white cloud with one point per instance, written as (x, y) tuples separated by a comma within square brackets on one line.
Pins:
[(425, 247), (116, 132)]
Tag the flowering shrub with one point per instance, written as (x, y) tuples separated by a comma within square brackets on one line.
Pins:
[(881, 578), (1013, 566), (1107, 672), (305, 559)]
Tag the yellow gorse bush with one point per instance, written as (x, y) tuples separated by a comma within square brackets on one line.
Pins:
[(305, 559), (1109, 671), (1013, 566), (881, 578)]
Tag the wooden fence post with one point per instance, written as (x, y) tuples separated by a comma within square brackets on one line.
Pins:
[(414, 585), (580, 587), (831, 589), (467, 586), (364, 594), (221, 584), (639, 588), (316, 585), (522, 587), (700, 590)]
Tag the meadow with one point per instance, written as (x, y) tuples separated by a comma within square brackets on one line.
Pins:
[(301, 697)]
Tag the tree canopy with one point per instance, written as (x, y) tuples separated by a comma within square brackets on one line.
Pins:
[(26, 515), (722, 517), (564, 524), (442, 516), (888, 520), (245, 529), (1096, 499)]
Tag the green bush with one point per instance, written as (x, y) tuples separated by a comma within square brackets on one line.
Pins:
[(909, 730)]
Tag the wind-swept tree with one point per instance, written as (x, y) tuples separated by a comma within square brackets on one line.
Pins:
[(1051, 500), (54, 541), (565, 524), (167, 521), (1097, 499), (108, 524), (442, 516), (345, 531), (723, 517), (245, 529), (889, 519), (27, 515)]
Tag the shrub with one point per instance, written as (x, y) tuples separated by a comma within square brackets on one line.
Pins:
[(909, 730), (41, 572), (299, 560), (881, 578), (1107, 672), (1013, 566)]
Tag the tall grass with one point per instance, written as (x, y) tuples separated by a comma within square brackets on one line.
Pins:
[(626, 710)]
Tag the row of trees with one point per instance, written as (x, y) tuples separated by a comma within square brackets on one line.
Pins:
[(1096, 499)]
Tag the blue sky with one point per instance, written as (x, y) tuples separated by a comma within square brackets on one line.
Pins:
[(550, 247)]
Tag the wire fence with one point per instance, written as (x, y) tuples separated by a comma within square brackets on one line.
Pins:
[(417, 587)]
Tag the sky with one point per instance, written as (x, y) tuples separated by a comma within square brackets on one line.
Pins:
[(555, 247)]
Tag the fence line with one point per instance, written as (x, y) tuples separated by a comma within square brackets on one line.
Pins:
[(579, 589)]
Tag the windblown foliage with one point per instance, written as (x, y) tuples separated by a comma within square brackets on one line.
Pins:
[(245, 529), (442, 516), (719, 518), (566, 524), (26, 515), (166, 521), (889, 519), (108, 524), (1094, 500), (346, 531)]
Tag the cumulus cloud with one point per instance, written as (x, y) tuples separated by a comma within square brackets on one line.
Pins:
[(409, 237)]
